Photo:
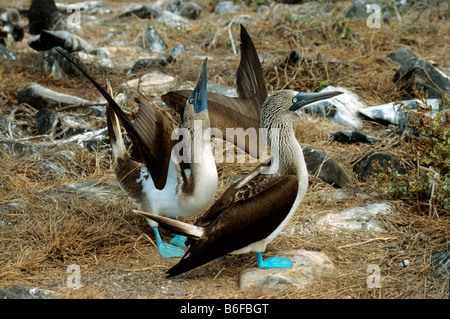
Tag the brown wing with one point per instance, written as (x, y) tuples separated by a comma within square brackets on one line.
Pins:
[(244, 188), (150, 133), (229, 112), (154, 130), (250, 83), (243, 222)]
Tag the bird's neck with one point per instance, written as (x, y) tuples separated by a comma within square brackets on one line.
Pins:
[(287, 154), (198, 130)]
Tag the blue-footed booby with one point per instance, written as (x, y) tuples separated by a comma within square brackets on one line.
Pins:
[(244, 111), (254, 210), (170, 184)]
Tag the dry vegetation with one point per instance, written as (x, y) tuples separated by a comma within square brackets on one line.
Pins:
[(44, 227)]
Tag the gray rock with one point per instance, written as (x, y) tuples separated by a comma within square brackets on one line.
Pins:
[(352, 137), (368, 165), (6, 54), (152, 41), (65, 39), (441, 262), (307, 266), (222, 89), (100, 58), (90, 140), (355, 218), (393, 113), (420, 74), (321, 165), (189, 10), (400, 55), (17, 292), (54, 63), (17, 149), (154, 83), (148, 63), (358, 9), (178, 50), (44, 119), (342, 109), (70, 126), (143, 12), (226, 7), (10, 29), (345, 194), (40, 97), (174, 20), (86, 7)]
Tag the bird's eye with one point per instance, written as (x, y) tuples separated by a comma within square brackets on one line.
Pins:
[(191, 101), (294, 100)]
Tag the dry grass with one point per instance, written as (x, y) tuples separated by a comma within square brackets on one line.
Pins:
[(44, 228)]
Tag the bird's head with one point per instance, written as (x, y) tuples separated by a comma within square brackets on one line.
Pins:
[(198, 99), (302, 99), (282, 105)]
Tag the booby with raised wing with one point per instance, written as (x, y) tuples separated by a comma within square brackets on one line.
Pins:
[(244, 111), (170, 184), (254, 210)]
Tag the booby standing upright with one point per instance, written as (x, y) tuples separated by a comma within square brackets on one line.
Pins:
[(254, 210), (244, 112), (169, 185)]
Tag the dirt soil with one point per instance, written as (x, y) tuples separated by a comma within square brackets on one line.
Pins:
[(44, 229)]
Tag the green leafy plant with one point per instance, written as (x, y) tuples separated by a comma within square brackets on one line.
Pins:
[(427, 150)]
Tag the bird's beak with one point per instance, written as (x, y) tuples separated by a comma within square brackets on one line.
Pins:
[(199, 97), (302, 99)]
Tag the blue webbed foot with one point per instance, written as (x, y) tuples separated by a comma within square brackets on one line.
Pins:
[(167, 250), (274, 262), (178, 240)]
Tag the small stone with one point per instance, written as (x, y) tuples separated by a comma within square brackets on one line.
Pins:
[(143, 12), (368, 165), (178, 50), (189, 10), (307, 265), (47, 40), (6, 54), (152, 41), (226, 7), (145, 64), (420, 74), (174, 20), (45, 119), (441, 261), (57, 65), (40, 97), (355, 218), (17, 292), (151, 83), (321, 165), (353, 137)]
